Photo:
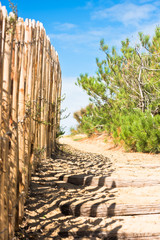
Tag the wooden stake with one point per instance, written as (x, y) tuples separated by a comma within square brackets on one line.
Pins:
[(27, 110), (21, 128), (5, 117), (1, 141), (43, 97), (15, 142)]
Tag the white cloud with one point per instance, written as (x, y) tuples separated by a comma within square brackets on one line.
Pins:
[(88, 5), (140, 17), (89, 36), (126, 13), (149, 1), (64, 26)]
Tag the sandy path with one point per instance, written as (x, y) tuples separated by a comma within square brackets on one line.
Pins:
[(126, 164), (46, 215)]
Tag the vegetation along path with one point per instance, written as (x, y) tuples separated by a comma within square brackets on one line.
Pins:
[(98, 193)]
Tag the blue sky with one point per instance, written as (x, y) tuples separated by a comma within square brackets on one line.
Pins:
[(76, 27)]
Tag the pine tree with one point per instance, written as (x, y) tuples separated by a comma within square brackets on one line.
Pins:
[(125, 94)]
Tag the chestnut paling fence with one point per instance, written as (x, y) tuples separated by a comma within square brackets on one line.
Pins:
[(30, 89)]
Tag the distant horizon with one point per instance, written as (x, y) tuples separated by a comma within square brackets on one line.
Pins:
[(76, 28)]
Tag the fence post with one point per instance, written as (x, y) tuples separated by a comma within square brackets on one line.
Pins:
[(21, 126), (15, 142), (43, 96), (5, 118), (1, 160), (40, 94), (26, 148)]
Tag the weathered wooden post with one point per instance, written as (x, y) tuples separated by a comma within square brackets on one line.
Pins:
[(50, 102), (26, 53), (6, 114), (1, 141), (14, 114), (40, 93), (54, 99), (46, 109), (36, 88), (43, 96), (21, 126), (14, 148)]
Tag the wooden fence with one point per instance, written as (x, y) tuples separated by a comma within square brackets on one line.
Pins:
[(30, 88)]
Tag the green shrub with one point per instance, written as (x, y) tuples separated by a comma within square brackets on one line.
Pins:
[(141, 132)]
